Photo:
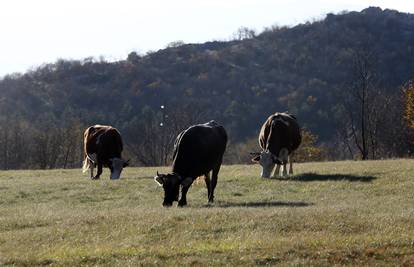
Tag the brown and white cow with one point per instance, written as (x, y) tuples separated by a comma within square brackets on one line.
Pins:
[(279, 137), (103, 147)]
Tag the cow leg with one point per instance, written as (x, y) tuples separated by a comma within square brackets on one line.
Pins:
[(290, 165), (99, 172), (183, 201), (91, 166), (208, 184), (213, 183), (277, 171), (284, 169)]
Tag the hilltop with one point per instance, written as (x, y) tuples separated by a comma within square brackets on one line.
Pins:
[(304, 69)]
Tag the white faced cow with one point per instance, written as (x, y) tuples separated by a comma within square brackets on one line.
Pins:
[(279, 136), (103, 147)]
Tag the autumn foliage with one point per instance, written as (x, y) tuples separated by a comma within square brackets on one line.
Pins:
[(309, 150)]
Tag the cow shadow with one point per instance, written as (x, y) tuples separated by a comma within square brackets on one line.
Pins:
[(140, 177), (310, 177), (260, 204)]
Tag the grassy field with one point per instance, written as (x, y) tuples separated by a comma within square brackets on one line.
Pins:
[(334, 213)]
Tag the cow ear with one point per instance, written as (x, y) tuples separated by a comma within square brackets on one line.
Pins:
[(187, 181), (159, 180), (256, 159)]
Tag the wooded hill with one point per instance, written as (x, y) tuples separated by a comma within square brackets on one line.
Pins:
[(305, 69)]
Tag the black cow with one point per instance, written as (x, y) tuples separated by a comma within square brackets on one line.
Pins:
[(197, 151), (279, 136), (104, 143)]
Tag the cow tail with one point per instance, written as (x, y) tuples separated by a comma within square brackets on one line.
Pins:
[(86, 165)]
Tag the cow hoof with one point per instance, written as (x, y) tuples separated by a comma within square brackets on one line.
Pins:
[(95, 178), (182, 203)]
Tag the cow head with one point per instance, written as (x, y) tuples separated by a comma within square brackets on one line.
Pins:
[(267, 160), (116, 166), (171, 183)]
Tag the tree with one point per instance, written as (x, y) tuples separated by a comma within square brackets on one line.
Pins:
[(361, 103), (244, 33), (72, 146), (5, 143), (239, 153), (394, 135), (308, 149), (150, 136), (175, 44), (408, 98)]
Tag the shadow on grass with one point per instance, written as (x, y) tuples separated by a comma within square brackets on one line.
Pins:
[(260, 204), (140, 177), (309, 177)]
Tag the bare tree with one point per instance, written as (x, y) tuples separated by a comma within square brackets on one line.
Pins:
[(145, 139), (72, 145), (244, 33), (150, 138), (5, 142), (56, 147), (361, 104), (18, 152)]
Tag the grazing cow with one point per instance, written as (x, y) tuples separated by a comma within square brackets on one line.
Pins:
[(103, 147), (197, 151), (279, 136)]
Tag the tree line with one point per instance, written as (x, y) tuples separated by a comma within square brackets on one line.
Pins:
[(147, 142), (341, 76)]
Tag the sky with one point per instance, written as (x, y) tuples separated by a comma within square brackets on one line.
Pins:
[(36, 32)]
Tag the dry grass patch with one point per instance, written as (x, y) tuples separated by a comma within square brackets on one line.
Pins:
[(334, 213)]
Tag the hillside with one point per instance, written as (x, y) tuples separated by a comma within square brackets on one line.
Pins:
[(328, 214), (305, 69)]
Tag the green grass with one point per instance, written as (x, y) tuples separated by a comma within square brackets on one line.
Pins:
[(334, 213)]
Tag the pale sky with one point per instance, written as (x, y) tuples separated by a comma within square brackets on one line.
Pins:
[(42, 31)]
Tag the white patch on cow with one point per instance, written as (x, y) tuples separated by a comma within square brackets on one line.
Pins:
[(267, 163), (117, 166), (284, 158), (158, 180), (87, 164), (93, 157), (277, 171), (212, 123)]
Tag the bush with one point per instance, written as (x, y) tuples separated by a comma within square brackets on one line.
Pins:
[(309, 150)]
